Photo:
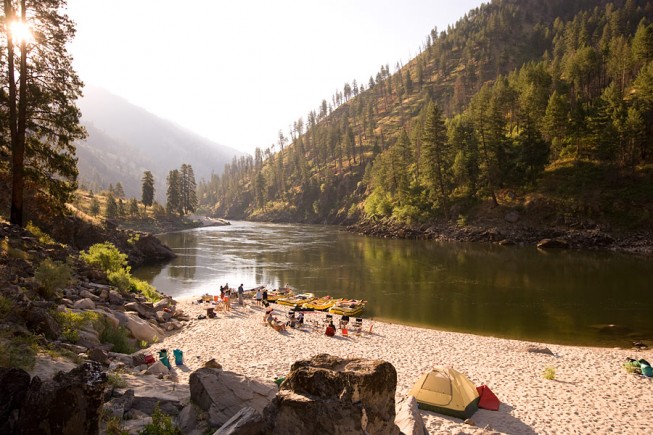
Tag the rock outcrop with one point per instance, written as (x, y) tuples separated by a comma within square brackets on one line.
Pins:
[(223, 394), (328, 394), (69, 403), (14, 387)]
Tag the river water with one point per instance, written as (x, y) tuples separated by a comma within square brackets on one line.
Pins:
[(564, 297)]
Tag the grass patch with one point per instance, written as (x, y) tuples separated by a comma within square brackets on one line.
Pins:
[(19, 350), (41, 236)]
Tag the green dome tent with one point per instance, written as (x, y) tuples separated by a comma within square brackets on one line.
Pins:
[(446, 391)]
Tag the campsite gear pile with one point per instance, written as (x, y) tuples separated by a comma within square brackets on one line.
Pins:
[(640, 367), (447, 391)]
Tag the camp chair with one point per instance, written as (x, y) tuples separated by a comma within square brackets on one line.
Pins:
[(358, 325)]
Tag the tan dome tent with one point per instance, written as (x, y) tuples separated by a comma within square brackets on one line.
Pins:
[(446, 391)]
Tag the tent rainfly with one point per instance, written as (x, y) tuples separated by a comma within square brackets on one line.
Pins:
[(446, 391)]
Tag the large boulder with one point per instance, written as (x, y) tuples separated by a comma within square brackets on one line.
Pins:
[(40, 321), (69, 403), (248, 421), (222, 394), (145, 310), (409, 419), (329, 394), (141, 329), (14, 387), (84, 304)]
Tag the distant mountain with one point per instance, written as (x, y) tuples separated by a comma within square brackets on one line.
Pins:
[(126, 140)]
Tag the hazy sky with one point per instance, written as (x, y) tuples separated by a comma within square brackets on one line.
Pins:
[(239, 71)]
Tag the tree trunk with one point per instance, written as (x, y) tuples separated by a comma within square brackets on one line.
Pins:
[(17, 119)]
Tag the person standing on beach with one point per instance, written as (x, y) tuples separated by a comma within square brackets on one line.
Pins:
[(259, 297), (265, 296), (241, 302)]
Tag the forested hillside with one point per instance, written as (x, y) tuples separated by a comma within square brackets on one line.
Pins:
[(542, 108)]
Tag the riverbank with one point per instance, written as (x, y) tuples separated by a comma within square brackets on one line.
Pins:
[(504, 232), (591, 392)]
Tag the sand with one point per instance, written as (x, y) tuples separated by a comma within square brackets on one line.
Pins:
[(591, 394)]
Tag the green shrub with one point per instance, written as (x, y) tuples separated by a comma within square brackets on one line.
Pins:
[(105, 256), (461, 221), (549, 373), (114, 379), (122, 279), (161, 424), (52, 275), (42, 237), (118, 336), (146, 289), (72, 322), (115, 427)]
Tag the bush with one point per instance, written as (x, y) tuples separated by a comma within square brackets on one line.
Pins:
[(39, 234), (72, 322), (145, 289), (161, 424), (105, 256), (114, 263), (549, 373), (122, 279), (118, 336), (52, 275)]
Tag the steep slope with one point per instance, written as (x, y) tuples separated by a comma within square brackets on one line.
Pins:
[(534, 103), (125, 140)]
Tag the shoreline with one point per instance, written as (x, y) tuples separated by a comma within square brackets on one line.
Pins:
[(591, 392)]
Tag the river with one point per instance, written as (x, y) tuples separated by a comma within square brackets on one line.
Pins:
[(565, 297)]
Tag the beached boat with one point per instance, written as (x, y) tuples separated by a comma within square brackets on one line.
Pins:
[(348, 307), (321, 304), (276, 294), (299, 299)]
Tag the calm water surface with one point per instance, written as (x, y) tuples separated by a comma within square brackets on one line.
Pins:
[(582, 298)]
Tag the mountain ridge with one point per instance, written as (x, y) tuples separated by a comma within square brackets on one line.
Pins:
[(125, 140)]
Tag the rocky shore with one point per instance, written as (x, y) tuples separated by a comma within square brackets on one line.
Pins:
[(512, 232)]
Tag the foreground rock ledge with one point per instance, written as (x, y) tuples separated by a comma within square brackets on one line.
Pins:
[(328, 394)]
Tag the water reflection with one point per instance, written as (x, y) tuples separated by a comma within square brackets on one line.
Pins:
[(558, 296)]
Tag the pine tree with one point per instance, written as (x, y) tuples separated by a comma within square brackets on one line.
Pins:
[(119, 191), (94, 207), (133, 207), (147, 196), (40, 119), (188, 189), (435, 154), (111, 211), (173, 204)]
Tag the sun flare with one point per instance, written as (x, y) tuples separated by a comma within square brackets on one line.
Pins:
[(21, 32)]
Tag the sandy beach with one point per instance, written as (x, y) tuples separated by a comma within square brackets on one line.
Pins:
[(591, 394)]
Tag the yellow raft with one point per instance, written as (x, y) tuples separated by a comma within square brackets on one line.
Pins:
[(321, 304), (299, 299), (348, 307)]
